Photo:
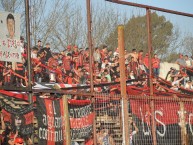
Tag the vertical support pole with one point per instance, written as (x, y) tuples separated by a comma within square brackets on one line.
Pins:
[(148, 15), (183, 124), (121, 47), (89, 22), (67, 120), (89, 27), (28, 49)]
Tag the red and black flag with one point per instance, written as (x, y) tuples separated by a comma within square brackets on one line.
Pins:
[(81, 118), (170, 118), (50, 116), (20, 119)]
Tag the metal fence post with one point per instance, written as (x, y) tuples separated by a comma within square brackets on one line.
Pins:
[(89, 34), (121, 48), (28, 49), (148, 15)]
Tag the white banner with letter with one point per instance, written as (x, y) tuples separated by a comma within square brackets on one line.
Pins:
[(10, 46)]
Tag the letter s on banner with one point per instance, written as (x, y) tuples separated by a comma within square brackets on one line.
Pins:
[(158, 132)]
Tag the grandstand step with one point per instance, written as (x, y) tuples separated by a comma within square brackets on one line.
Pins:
[(107, 118), (110, 127), (118, 139)]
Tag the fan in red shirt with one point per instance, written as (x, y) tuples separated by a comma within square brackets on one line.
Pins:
[(75, 52), (89, 142), (156, 65), (7, 74), (60, 74), (75, 57), (86, 56), (133, 66), (53, 61), (76, 63), (53, 64), (67, 62), (146, 62), (1, 72), (96, 69), (69, 79), (80, 58), (68, 50), (104, 52)]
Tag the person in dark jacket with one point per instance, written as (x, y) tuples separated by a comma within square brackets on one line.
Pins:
[(48, 52)]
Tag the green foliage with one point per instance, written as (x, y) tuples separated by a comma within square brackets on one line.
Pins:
[(187, 45), (171, 57), (136, 34)]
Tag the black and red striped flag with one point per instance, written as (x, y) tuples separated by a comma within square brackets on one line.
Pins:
[(50, 116)]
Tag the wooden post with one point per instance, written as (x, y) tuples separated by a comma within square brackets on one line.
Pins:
[(67, 120), (121, 48), (148, 15), (183, 124)]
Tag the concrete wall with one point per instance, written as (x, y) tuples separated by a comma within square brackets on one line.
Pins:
[(165, 67)]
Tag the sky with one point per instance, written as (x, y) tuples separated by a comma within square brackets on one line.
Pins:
[(178, 5), (183, 23)]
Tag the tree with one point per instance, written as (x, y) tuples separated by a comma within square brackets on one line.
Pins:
[(45, 23), (70, 29), (188, 45), (104, 19), (136, 34), (171, 57), (11, 5)]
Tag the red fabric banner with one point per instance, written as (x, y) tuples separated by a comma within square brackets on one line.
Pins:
[(21, 96), (23, 122), (79, 102), (166, 112), (50, 116), (82, 122)]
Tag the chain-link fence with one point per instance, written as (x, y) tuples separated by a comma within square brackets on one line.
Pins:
[(165, 120), (171, 119), (108, 119)]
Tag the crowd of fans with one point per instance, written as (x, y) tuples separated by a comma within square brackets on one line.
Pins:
[(12, 136), (182, 77), (71, 66)]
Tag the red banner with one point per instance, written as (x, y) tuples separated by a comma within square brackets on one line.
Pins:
[(50, 116), (21, 96), (81, 119), (166, 112), (82, 122), (23, 122), (79, 102)]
